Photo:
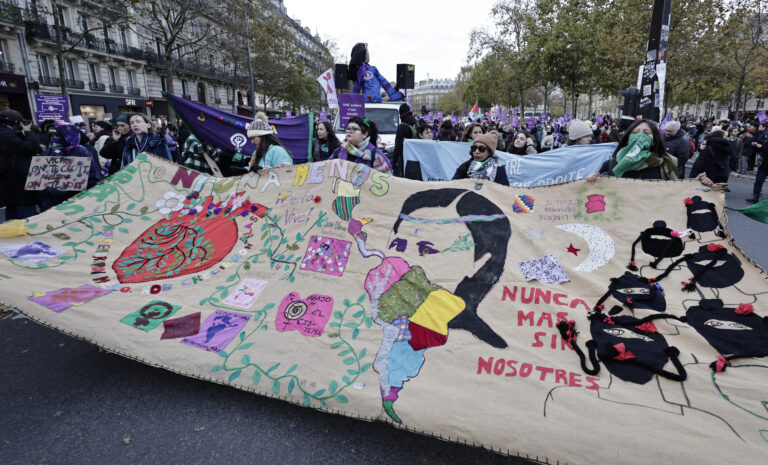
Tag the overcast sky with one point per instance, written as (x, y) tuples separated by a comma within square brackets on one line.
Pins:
[(433, 36)]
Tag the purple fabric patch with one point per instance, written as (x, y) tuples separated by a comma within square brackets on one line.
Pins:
[(218, 330), (62, 299), (184, 326)]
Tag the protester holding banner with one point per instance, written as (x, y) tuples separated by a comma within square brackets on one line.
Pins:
[(522, 144), (270, 151), (19, 145), (714, 158), (579, 133), (483, 164), (359, 147), (471, 132), (325, 142), (641, 155), (405, 130), (143, 140), (66, 140), (114, 146)]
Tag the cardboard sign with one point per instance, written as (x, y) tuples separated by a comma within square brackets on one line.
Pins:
[(350, 105), (61, 173)]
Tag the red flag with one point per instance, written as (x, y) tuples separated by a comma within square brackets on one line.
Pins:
[(475, 109)]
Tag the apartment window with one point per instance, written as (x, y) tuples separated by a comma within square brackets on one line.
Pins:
[(214, 93), (60, 12), (131, 77), (71, 67), (83, 21), (184, 87), (124, 36), (163, 84), (3, 55), (93, 72), (114, 77), (44, 65), (159, 47), (229, 94), (261, 100)]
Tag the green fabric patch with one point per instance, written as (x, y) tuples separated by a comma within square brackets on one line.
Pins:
[(405, 296), (150, 316)]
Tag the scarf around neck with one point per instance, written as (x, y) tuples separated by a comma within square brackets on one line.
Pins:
[(373, 157), (483, 170)]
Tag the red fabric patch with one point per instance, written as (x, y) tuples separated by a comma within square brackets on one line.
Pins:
[(744, 309), (423, 338), (607, 320), (688, 201), (647, 327), (714, 247), (624, 354), (181, 327)]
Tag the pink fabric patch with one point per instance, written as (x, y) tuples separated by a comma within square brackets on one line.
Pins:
[(398, 268), (307, 316)]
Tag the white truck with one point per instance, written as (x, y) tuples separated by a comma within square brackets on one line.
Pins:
[(387, 118)]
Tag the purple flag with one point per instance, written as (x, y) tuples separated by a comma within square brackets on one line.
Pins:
[(410, 103), (440, 115), (504, 117), (761, 117), (288, 114), (323, 116), (463, 111), (666, 120), (515, 122), (454, 119), (566, 117), (227, 130), (530, 121), (514, 111), (600, 119)]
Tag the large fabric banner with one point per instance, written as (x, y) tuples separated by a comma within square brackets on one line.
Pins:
[(439, 161), (227, 130), (613, 322)]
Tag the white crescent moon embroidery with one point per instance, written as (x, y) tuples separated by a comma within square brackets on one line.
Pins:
[(601, 249)]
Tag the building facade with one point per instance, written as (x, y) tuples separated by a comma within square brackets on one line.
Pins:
[(428, 92), (114, 67)]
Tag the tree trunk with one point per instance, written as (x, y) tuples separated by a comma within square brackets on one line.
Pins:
[(60, 57)]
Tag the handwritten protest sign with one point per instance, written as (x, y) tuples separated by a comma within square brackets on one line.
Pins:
[(58, 172)]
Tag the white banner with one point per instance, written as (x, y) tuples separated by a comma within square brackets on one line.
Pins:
[(327, 83)]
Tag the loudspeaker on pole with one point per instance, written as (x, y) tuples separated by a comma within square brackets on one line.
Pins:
[(405, 76)]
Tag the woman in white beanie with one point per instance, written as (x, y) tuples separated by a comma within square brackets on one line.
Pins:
[(270, 152), (579, 133)]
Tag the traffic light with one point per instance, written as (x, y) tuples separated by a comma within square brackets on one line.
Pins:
[(631, 106)]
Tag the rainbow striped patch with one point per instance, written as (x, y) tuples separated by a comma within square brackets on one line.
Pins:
[(523, 204)]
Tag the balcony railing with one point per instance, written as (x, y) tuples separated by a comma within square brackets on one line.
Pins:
[(134, 92), (6, 67), (74, 84), (115, 89), (49, 81), (97, 86)]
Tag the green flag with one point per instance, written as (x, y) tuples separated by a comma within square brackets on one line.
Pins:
[(758, 211)]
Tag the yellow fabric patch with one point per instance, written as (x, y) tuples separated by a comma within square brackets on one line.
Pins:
[(437, 310)]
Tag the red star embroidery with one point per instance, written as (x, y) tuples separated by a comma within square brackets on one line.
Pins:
[(573, 249)]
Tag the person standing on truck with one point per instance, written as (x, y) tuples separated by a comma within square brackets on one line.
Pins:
[(405, 130), (368, 79)]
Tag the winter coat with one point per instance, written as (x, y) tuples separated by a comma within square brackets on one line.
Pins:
[(151, 142), (501, 173), (714, 160), (15, 159), (112, 150), (405, 130), (678, 146), (321, 149), (369, 80)]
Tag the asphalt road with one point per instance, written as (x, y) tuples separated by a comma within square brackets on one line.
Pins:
[(67, 402)]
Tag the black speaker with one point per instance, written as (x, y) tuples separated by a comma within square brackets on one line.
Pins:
[(341, 75), (631, 106), (405, 79)]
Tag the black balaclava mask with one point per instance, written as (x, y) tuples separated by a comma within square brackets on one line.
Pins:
[(713, 266), (702, 216), (644, 345), (637, 292), (659, 242), (734, 332)]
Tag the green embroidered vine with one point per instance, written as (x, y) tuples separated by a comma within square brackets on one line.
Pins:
[(352, 358)]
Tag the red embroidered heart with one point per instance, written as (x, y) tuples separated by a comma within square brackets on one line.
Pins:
[(189, 241)]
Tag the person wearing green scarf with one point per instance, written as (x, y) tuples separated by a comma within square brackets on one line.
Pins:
[(634, 155)]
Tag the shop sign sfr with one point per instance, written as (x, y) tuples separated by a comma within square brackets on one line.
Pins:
[(129, 102)]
